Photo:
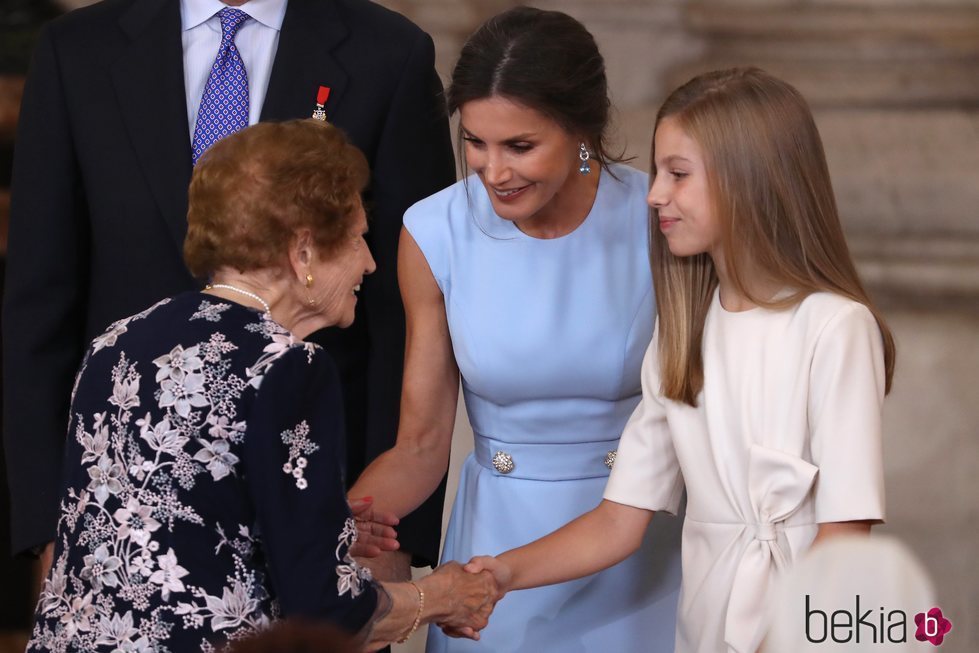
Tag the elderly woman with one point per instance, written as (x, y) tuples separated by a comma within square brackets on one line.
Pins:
[(204, 491)]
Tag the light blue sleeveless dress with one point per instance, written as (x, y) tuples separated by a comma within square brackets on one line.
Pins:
[(549, 337)]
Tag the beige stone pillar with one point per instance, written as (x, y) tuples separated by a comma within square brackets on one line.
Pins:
[(894, 86)]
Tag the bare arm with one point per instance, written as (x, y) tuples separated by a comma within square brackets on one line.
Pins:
[(401, 478), (595, 541), (833, 529)]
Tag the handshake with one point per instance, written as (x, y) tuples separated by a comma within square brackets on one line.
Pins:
[(459, 599), (465, 596)]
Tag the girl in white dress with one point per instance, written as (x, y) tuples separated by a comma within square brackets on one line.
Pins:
[(763, 385)]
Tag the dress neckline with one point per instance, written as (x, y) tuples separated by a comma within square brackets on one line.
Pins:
[(747, 313), (732, 314)]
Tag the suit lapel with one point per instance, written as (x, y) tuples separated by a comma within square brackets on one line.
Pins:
[(311, 29), (149, 82)]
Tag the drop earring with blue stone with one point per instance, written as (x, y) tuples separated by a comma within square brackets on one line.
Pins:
[(583, 154)]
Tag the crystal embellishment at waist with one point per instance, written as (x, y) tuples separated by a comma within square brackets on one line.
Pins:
[(610, 458), (503, 462)]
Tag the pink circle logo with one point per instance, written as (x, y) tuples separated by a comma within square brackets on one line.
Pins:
[(932, 626)]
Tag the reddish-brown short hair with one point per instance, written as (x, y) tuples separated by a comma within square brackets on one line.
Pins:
[(253, 190)]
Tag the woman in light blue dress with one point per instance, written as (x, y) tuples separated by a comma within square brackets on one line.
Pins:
[(531, 280)]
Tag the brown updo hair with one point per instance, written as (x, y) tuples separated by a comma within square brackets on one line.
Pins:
[(252, 191), (543, 60)]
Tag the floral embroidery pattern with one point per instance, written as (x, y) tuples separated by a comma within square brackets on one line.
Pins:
[(350, 575), (210, 312), (170, 428), (299, 444), (116, 329), (282, 341)]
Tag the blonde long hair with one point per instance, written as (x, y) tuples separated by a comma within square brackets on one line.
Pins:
[(771, 191)]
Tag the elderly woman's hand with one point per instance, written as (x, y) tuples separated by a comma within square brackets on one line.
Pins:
[(481, 565), (375, 532), (461, 602)]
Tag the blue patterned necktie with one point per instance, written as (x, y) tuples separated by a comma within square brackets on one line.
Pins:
[(224, 105)]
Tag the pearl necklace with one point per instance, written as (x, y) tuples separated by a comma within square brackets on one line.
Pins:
[(240, 291)]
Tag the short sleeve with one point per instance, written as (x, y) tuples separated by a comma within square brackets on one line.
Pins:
[(294, 469), (427, 222), (646, 473), (845, 401)]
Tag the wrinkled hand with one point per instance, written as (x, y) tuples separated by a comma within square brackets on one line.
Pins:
[(480, 565), (375, 532), (464, 601)]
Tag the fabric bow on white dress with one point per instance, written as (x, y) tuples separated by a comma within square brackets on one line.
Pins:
[(778, 483)]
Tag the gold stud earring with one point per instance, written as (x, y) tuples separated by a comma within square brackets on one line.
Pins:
[(309, 280)]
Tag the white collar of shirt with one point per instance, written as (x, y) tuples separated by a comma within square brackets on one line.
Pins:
[(256, 40), (268, 12)]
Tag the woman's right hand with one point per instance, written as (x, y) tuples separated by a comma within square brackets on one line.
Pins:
[(375, 529)]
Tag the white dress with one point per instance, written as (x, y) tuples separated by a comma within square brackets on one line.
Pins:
[(786, 435)]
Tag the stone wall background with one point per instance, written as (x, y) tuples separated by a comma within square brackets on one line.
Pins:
[(894, 86)]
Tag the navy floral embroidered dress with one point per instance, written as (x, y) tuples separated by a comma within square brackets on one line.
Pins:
[(203, 487)]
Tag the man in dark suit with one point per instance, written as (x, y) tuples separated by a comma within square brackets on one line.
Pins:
[(98, 217)]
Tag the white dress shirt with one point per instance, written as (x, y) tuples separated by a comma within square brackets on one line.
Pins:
[(257, 40)]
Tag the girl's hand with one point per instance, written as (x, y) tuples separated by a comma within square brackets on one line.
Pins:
[(502, 574)]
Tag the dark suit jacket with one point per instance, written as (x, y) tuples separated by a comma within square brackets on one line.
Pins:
[(99, 203)]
